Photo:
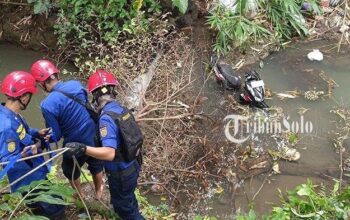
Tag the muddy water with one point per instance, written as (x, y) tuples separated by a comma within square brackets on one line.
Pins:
[(286, 71), (16, 58)]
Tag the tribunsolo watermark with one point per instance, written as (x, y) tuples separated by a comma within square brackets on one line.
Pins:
[(244, 126)]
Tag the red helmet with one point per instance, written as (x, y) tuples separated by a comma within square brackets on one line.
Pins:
[(18, 83), (101, 78), (43, 69)]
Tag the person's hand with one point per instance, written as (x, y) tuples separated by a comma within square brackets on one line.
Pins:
[(45, 133), (29, 150), (75, 149)]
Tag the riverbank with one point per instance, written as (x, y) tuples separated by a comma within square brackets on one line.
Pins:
[(188, 160)]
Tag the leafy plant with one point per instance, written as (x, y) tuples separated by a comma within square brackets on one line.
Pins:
[(85, 22), (309, 201), (247, 21), (41, 6), (234, 27), (198, 217), (285, 17), (37, 191), (182, 5), (292, 138), (150, 211)]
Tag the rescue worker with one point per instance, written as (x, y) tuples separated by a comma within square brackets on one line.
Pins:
[(68, 119), (17, 139), (122, 176)]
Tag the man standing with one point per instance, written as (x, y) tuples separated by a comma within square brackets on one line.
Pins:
[(122, 172), (68, 119), (17, 138)]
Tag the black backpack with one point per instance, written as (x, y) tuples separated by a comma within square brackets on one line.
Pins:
[(131, 134), (92, 112)]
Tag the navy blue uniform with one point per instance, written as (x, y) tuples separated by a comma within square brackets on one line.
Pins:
[(15, 134), (70, 120), (122, 176)]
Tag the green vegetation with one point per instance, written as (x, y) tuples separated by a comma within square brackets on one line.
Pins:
[(86, 22), (182, 5), (38, 191), (309, 201), (247, 23), (41, 6), (55, 191)]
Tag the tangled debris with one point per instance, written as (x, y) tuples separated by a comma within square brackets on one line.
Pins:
[(313, 95), (341, 135)]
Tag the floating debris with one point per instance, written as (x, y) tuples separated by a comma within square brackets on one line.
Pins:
[(289, 94), (286, 153), (290, 154), (268, 93), (276, 168), (302, 110), (347, 164), (330, 82), (259, 165), (315, 55), (261, 64), (313, 95), (284, 96)]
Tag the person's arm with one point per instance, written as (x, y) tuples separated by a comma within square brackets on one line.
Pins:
[(10, 143), (102, 153), (110, 139), (51, 122), (34, 132)]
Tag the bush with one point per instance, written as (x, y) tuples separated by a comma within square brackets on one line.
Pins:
[(83, 22), (234, 28), (249, 20), (38, 191), (308, 201)]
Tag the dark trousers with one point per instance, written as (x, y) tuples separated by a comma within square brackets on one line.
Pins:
[(122, 185), (51, 211)]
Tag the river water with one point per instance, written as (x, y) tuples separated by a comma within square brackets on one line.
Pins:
[(290, 70), (283, 71), (16, 58)]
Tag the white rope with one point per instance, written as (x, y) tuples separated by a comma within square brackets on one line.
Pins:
[(87, 180), (34, 156), (32, 171), (80, 196)]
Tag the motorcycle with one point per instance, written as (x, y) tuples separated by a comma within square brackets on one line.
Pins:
[(254, 88), (225, 75)]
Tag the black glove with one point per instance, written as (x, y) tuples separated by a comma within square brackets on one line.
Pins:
[(75, 149)]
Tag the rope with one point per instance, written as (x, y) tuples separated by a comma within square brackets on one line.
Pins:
[(87, 180), (32, 171), (34, 156), (81, 198)]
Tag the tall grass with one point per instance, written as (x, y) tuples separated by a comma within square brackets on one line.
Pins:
[(251, 20)]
